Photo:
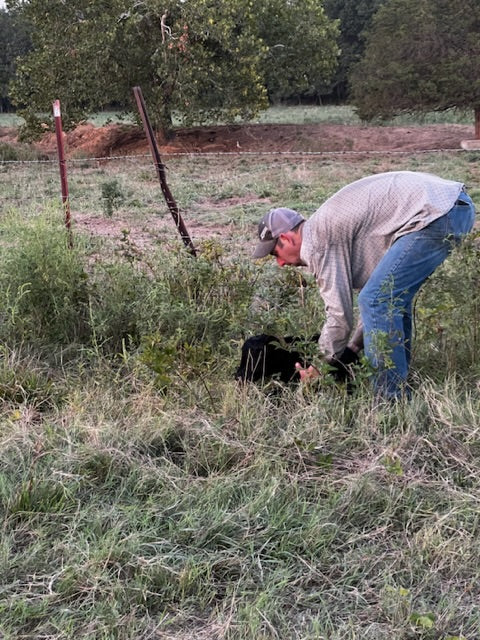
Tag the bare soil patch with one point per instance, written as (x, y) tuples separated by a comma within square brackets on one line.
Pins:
[(118, 139)]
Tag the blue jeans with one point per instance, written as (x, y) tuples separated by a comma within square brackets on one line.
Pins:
[(385, 302)]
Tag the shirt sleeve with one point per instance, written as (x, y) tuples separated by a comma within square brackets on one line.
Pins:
[(334, 278)]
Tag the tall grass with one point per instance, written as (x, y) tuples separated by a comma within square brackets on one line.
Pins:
[(145, 495), (131, 515)]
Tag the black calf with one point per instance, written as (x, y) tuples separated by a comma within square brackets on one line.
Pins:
[(263, 357)]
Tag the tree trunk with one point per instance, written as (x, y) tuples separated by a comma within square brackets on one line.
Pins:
[(165, 121), (477, 123)]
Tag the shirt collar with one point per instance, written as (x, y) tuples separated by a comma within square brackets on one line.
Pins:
[(306, 248)]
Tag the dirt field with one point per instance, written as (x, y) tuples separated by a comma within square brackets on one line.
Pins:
[(89, 141)]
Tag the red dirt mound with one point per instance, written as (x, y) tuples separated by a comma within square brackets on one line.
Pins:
[(118, 139)]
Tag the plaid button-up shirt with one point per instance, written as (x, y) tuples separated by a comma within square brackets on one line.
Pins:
[(347, 236)]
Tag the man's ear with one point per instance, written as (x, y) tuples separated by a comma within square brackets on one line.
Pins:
[(285, 237)]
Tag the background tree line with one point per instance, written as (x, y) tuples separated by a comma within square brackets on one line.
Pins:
[(204, 59)]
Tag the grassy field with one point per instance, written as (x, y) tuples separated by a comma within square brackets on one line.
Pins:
[(144, 495), (332, 114)]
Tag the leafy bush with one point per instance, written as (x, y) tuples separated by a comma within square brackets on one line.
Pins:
[(112, 196), (117, 291), (182, 307), (448, 315), (49, 296), (43, 284), (194, 310), (188, 316)]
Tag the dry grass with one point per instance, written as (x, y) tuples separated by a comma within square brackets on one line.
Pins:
[(136, 506)]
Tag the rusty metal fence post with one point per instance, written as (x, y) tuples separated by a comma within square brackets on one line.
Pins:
[(63, 170), (161, 172)]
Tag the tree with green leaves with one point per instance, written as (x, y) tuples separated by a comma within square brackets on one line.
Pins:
[(421, 55), (70, 59), (354, 18), (302, 49), (15, 40), (199, 60)]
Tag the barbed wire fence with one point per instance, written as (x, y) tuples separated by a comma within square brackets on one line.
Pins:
[(31, 185)]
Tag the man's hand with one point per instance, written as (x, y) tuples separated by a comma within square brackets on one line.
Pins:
[(308, 374), (340, 367)]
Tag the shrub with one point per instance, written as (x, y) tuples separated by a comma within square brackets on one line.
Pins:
[(187, 315), (194, 310), (112, 196), (43, 285), (117, 293), (448, 315)]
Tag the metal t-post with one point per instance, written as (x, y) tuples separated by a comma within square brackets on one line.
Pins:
[(63, 169), (160, 167)]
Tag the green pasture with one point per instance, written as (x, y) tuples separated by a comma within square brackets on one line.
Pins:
[(144, 494), (293, 114)]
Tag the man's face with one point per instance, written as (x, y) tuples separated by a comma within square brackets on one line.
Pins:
[(287, 249)]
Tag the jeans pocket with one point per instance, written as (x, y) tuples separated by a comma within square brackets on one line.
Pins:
[(460, 220), (438, 229)]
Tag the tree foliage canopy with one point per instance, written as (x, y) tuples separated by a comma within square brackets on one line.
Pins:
[(354, 18), (421, 55), (301, 46), (199, 59), (15, 41)]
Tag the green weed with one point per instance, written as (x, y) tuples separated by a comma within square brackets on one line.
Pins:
[(112, 196), (42, 282), (448, 315)]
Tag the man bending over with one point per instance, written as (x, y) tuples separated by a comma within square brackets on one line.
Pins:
[(383, 235)]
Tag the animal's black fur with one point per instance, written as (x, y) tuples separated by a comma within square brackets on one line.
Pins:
[(263, 356)]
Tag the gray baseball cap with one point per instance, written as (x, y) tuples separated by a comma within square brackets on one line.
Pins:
[(274, 223)]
